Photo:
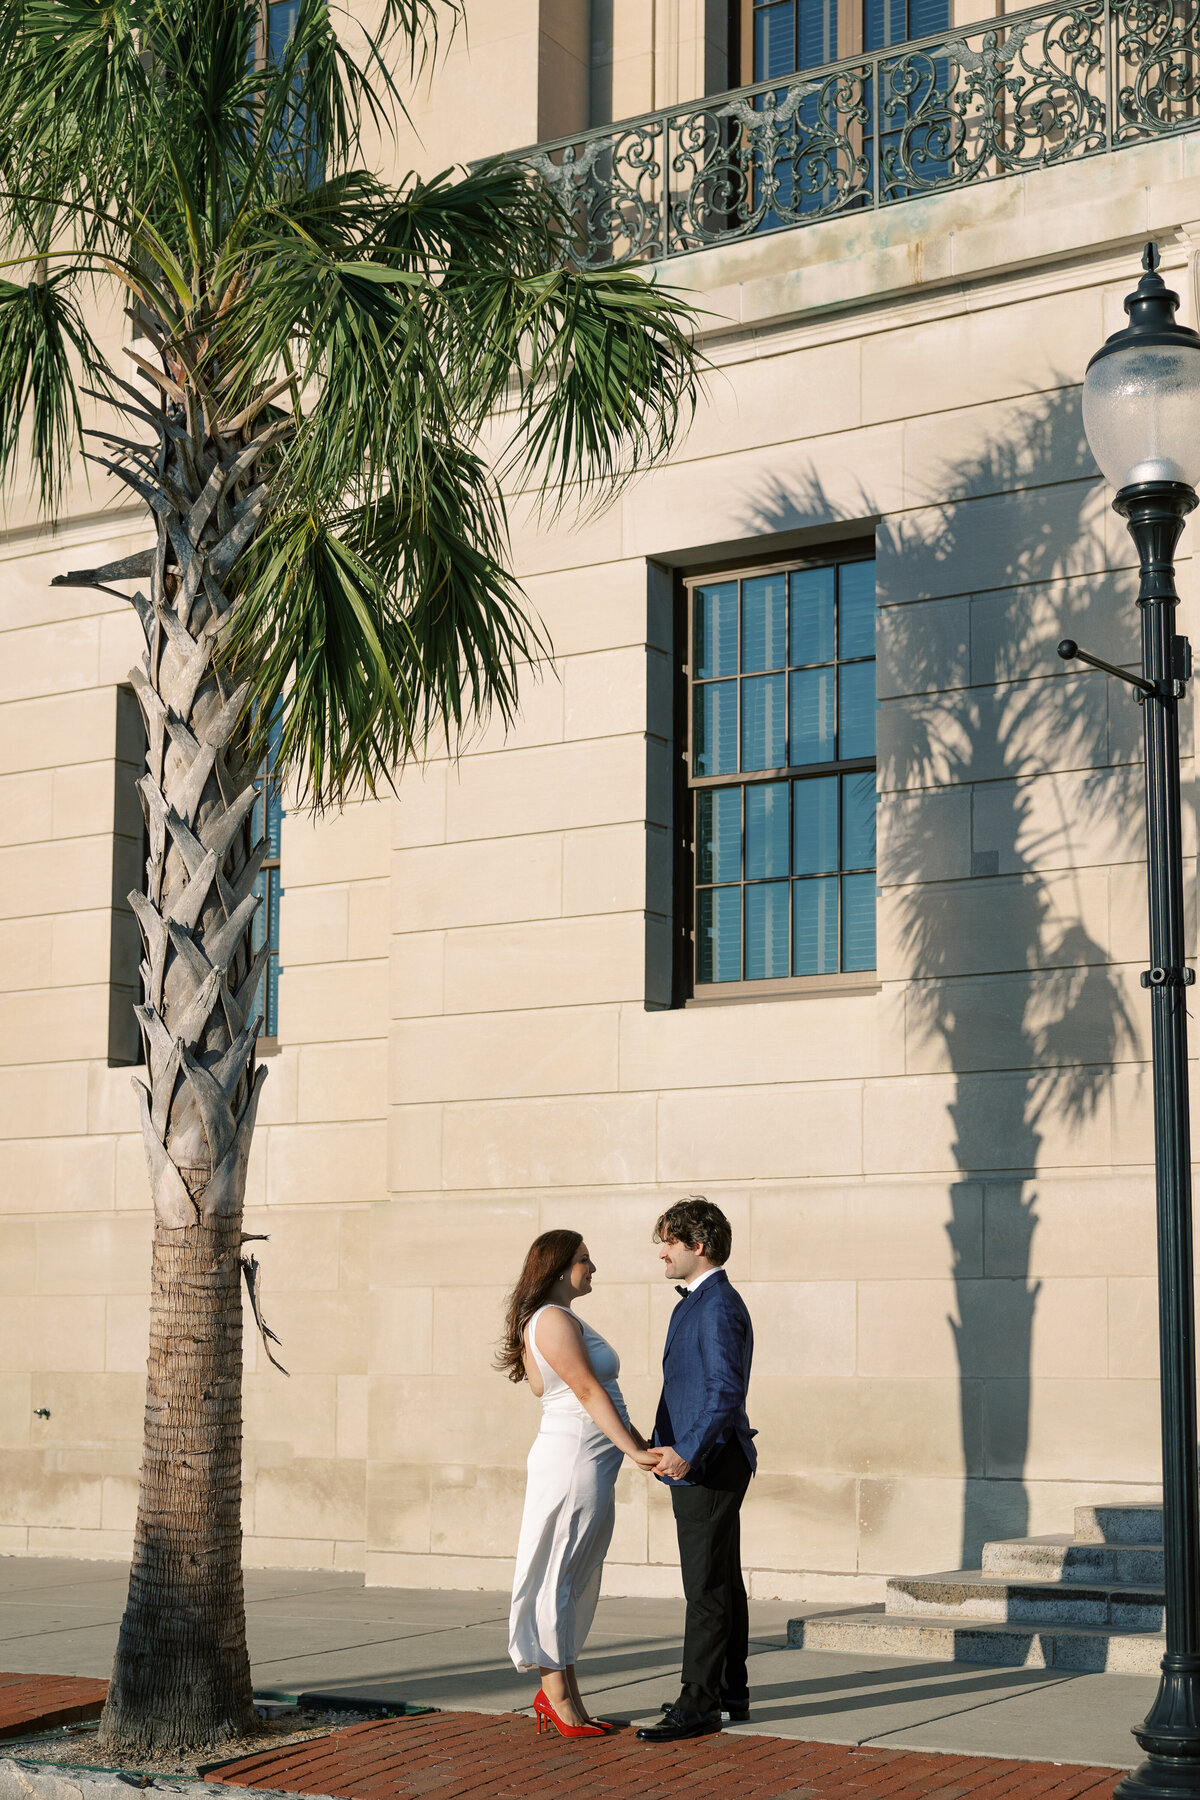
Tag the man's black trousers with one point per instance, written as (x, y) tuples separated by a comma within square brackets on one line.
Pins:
[(716, 1630)]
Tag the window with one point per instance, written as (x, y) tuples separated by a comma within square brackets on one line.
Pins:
[(293, 146), (887, 22), (793, 34), (281, 22), (783, 36), (131, 851), (268, 822), (781, 772)]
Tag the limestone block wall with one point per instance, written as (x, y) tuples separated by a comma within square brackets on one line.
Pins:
[(941, 1190), (74, 1206)]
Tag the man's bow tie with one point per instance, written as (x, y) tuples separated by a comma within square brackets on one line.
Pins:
[(682, 1290)]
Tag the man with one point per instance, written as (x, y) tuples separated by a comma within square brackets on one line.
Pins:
[(707, 1458)]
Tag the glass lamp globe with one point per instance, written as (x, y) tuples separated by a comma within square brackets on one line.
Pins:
[(1141, 394)]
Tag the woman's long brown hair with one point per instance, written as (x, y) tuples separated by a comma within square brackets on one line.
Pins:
[(549, 1256)]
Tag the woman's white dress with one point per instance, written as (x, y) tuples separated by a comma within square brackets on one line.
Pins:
[(568, 1517)]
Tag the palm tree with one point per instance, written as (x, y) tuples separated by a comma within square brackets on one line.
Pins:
[(314, 354)]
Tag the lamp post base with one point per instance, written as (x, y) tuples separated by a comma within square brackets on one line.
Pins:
[(1160, 1778), (1170, 1736)]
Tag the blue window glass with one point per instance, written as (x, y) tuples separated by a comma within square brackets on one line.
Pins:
[(856, 709), (719, 934), (719, 834), (767, 831), (715, 729), (858, 819), (858, 921), (815, 835), (293, 144), (764, 623), (784, 679), (887, 22), (714, 651), (813, 738), (884, 22), (280, 26), (266, 821), (856, 611), (766, 930), (927, 16), (814, 926), (793, 34), (764, 723), (775, 40), (813, 628), (816, 31)]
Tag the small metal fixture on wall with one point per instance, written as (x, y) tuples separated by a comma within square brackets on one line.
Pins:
[(1141, 412)]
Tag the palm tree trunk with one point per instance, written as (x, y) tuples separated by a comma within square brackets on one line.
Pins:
[(182, 1673), (181, 1680)]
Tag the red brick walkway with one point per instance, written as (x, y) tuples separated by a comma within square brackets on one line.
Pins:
[(40, 1702), (474, 1756)]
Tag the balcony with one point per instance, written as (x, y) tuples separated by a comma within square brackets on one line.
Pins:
[(1033, 89)]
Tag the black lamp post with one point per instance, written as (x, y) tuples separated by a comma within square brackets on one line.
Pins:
[(1141, 412)]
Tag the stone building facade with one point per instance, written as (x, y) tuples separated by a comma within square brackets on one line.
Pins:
[(494, 1011)]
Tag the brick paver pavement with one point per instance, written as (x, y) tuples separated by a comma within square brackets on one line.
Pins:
[(40, 1702), (477, 1756)]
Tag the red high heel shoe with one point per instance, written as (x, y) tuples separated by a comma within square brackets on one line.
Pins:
[(547, 1717)]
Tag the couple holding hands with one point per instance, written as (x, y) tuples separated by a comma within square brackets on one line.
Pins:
[(702, 1449)]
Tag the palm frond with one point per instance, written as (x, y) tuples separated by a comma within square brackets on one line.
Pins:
[(613, 376), (74, 94), (358, 331), (369, 629), (219, 177), (442, 545), (603, 361), (328, 650), (43, 344)]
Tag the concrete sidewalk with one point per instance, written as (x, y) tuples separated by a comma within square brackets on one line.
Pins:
[(320, 1631)]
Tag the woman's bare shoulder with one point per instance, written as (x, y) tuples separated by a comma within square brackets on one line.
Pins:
[(556, 1327)]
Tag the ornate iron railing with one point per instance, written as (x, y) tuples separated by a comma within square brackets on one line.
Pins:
[(1024, 91)]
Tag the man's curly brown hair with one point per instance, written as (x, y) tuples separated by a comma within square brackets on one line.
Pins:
[(695, 1221)]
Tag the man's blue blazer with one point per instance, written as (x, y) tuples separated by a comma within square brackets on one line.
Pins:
[(706, 1372)]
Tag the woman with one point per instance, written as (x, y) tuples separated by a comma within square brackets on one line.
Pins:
[(569, 1505)]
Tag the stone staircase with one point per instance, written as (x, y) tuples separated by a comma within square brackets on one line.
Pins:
[(1089, 1602)]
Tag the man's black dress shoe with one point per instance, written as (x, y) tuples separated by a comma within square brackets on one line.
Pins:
[(733, 1712), (678, 1724)]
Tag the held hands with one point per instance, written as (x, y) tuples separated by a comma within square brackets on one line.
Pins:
[(647, 1456), (657, 1461), (671, 1464)]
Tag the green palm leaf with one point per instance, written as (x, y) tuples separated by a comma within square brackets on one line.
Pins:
[(45, 347), (154, 143)]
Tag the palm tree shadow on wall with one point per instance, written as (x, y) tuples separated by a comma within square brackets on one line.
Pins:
[(1000, 936)]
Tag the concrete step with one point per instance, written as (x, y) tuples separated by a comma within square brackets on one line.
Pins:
[(970, 1594), (873, 1632), (1062, 1559), (1118, 1525)]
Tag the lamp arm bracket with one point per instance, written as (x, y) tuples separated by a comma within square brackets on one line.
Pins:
[(1069, 650)]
